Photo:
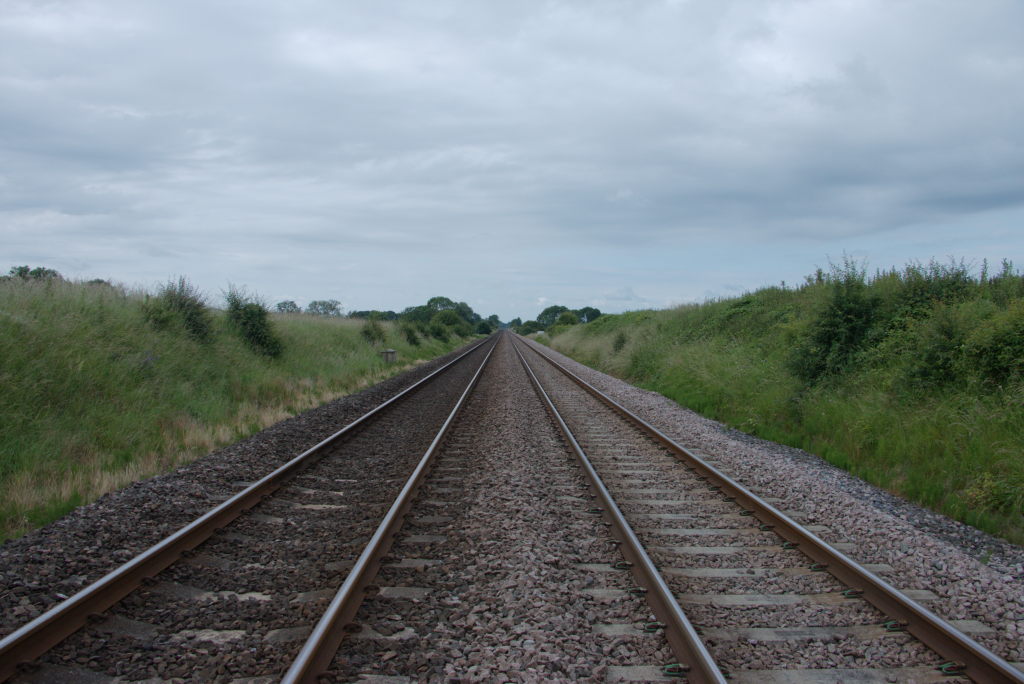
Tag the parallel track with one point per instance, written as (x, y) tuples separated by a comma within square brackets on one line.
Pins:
[(675, 511)]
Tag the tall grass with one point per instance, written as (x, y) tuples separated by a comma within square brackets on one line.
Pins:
[(97, 394), (912, 379)]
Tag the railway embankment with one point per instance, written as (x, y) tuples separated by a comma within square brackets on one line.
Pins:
[(104, 386), (910, 379)]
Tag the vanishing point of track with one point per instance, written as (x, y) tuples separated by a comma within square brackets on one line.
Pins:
[(720, 568)]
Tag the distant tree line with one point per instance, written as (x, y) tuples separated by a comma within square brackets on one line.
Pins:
[(439, 317), (555, 315), (27, 273)]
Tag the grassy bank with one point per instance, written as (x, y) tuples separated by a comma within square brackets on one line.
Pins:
[(99, 392), (911, 379)]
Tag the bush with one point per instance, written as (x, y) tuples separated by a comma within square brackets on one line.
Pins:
[(250, 319), (446, 317), (932, 353), (409, 331), (567, 318), (438, 331), (483, 328), (995, 348), (620, 342), (373, 332), (182, 301), (839, 329)]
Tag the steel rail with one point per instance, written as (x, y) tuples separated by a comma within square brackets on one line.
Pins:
[(318, 651), (686, 644), (47, 630), (976, 662)]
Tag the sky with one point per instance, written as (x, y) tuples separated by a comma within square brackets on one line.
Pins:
[(621, 155)]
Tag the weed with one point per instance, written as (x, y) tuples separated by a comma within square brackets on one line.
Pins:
[(180, 300), (251, 320)]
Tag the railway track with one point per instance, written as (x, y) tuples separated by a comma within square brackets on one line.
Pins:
[(544, 533), (233, 593), (767, 599)]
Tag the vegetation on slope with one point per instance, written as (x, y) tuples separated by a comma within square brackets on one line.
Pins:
[(912, 379), (103, 386)]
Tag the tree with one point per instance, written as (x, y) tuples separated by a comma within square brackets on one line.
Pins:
[(324, 307), (587, 314), (374, 314), (567, 318), (425, 313), (446, 317), (440, 304), (417, 314), (493, 321), (529, 327), (515, 322), (466, 312), (287, 306), (37, 273), (549, 315), (484, 328)]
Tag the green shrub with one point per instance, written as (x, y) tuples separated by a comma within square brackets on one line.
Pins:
[(620, 341), (483, 328), (373, 332), (250, 319), (180, 300), (409, 332), (933, 352), (839, 329), (446, 317), (438, 331), (567, 318), (995, 349)]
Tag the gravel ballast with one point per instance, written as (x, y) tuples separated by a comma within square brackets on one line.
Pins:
[(244, 577), (926, 550), (500, 554), (500, 574)]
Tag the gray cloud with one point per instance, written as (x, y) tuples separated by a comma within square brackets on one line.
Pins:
[(316, 146)]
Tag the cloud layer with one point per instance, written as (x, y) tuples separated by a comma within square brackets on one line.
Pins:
[(630, 153)]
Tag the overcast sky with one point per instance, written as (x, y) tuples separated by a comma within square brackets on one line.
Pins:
[(512, 155)]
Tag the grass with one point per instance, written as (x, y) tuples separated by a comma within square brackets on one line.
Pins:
[(96, 396), (920, 401)]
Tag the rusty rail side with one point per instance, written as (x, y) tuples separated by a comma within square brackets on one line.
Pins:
[(682, 637), (317, 653), (47, 630), (978, 663)]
